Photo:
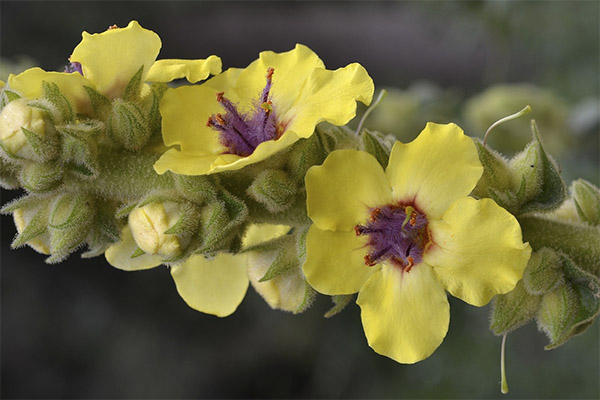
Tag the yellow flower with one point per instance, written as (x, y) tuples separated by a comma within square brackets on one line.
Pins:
[(107, 61), (243, 116), (402, 237), (218, 286)]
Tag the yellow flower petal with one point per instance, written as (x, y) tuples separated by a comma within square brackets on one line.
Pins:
[(29, 85), (192, 70), (335, 261), (111, 58), (340, 192), (327, 96), (190, 164), (405, 315), (478, 250), (119, 254), (215, 286), (260, 233), (439, 167)]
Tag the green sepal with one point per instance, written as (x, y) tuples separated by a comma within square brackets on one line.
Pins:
[(585, 307), (188, 222), (334, 137), (274, 189), (543, 273), (6, 96), (378, 145), (40, 178), (105, 230), (48, 109), (127, 125), (8, 175), (339, 303), (53, 94), (304, 154), (497, 178), (285, 261), (45, 147), (195, 188), (37, 226), (541, 186), (27, 201), (100, 104), (79, 156), (556, 313), (219, 220), (587, 201), (70, 220), (132, 90), (138, 252), (160, 197), (513, 310), (309, 297), (124, 210), (152, 104), (579, 241)]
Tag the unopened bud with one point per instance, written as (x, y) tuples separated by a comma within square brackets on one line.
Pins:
[(557, 310), (29, 222), (127, 125), (70, 220), (150, 222), (543, 273), (15, 117), (587, 201), (274, 189), (39, 178)]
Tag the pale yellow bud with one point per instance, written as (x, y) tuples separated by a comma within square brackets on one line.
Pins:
[(148, 225), (16, 115), (22, 218), (287, 291)]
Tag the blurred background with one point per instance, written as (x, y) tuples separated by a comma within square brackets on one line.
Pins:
[(82, 329)]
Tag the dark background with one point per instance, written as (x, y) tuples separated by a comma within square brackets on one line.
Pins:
[(82, 329)]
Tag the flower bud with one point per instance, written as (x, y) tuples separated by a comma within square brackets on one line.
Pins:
[(513, 309), (70, 221), (39, 178), (288, 291), (150, 222), (274, 189), (543, 273), (30, 222), (587, 201), (557, 310), (13, 118), (127, 125)]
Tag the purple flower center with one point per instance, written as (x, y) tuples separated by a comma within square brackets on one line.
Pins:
[(74, 67), (242, 133), (397, 233)]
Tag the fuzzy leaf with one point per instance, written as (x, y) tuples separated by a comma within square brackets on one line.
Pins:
[(274, 189), (6, 96), (127, 125), (45, 147), (543, 273), (36, 227), (196, 188), (304, 154), (53, 94), (100, 104), (378, 145), (557, 312), (587, 201), (513, 310), (497, 178), (40, 178), (8, 175), (339, 303), (285, 261), (132, 90)]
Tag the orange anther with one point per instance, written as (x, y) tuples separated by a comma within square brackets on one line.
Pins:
[(220, 119), (112, 27), (375, 213), (413, 219), (220, 96), (368, 261), (270, 72)]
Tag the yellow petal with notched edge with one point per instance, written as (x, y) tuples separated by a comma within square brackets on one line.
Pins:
[(215, 286), (326, 96), (119, 254), (189, 164), (405, 315), (335, 261), (478, 250), (111, 58), (260, 233), (29, 85), (192, 70), (340, 192), (439, 167)]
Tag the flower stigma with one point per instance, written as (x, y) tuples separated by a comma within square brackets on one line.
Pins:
[(397, 233), (242, 133)]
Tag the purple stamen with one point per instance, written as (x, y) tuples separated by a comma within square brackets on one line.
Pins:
[(397, 233), (241, 133), (74, 67)]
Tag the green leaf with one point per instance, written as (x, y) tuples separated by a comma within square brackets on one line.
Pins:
[(53, 94), (304, 154), (195, 188), (286, 259), (378, 145), (79, 155), (497, 179), (127, 125), (587, 201), (100, 104), (132, 90), (513, 310), (274, 189), (45, 147), (543, 273), (339, 303), (7, 96)]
